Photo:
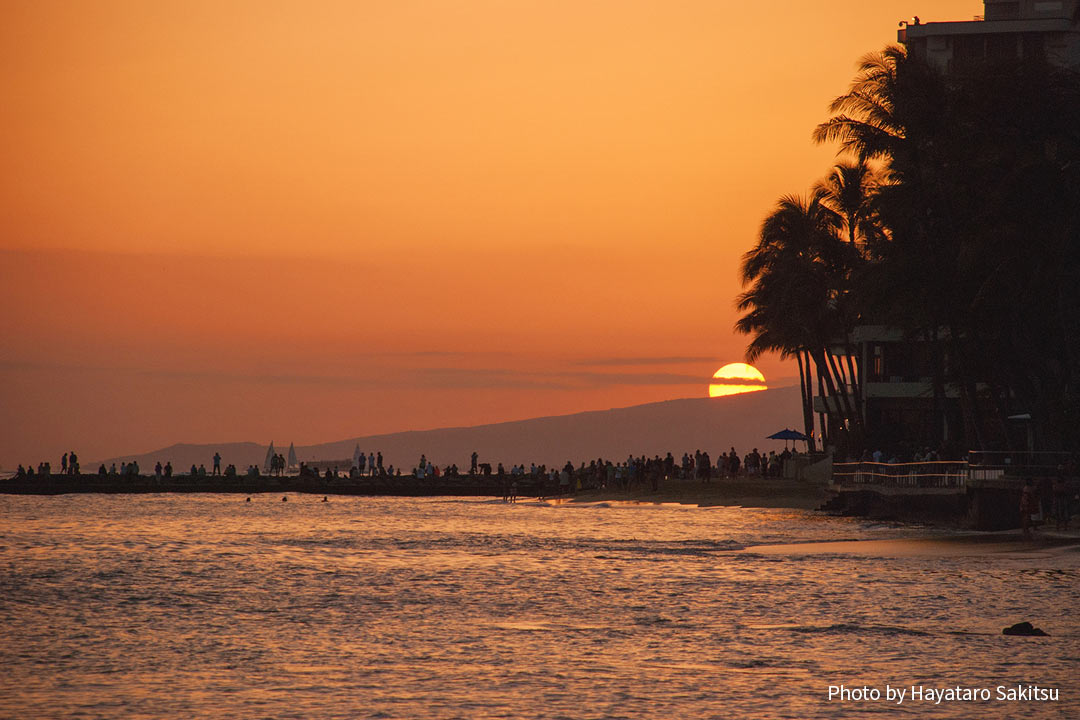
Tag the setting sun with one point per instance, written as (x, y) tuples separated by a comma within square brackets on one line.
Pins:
[(735, 378)]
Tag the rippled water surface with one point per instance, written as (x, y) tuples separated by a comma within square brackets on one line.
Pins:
[(208, 606)]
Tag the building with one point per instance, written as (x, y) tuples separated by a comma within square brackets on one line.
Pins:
[(1026, 29), (891, 381), (894, 388)]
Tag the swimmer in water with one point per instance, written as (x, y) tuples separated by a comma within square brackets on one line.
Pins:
[(248, 500), (324, 499), (284, 499)]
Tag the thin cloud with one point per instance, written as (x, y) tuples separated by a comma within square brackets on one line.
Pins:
[(478, 378), (737, 381), (433, 378), (645, 360)]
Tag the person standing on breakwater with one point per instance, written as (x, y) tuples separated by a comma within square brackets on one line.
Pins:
[(733, 463), (472, 467), (63, 465), (378, 462), (73, 463), (371, 464), (361, 463), (217, 464)]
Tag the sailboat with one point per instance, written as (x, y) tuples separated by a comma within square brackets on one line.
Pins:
[(292, 457), (269, 457)]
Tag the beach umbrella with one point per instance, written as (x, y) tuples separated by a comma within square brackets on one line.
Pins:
[(786, 435), (269, 456), (292, 456)]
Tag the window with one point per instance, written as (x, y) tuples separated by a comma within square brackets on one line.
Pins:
[(877, 365), (1002, 11), (1047, 7)]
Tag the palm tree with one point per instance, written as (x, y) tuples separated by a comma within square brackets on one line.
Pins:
[(891, 97), (797, 275), (849, 190), (896, 112), (978, 221)]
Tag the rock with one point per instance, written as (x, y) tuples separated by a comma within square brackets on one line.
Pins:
[(1026, 629)]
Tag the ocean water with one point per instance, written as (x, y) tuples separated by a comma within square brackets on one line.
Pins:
[(205, 606)]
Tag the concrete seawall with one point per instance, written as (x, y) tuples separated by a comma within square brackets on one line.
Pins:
[(978, 506)]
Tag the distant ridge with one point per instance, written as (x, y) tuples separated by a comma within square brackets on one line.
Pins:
[(712, 424)]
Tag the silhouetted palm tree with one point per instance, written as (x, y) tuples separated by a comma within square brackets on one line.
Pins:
[(891, 97), (849, 190), (797, 275), (977, 213)]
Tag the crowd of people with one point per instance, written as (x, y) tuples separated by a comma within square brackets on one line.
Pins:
[(69, 465), (635, 472), (896, 455), (370, 465), (598, 473), (1040, 503)]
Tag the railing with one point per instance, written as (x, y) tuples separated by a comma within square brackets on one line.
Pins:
[(1010, 467), (917, 475), (991, 465)]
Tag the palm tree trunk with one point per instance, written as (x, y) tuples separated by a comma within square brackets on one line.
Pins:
[(807, 401), (856, 386), (830, 385), (821, 416), (859, 441), (845, 397)]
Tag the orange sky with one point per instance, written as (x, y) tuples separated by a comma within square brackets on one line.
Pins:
[(257, 220)]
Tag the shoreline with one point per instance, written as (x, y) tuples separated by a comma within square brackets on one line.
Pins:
[(742, 491)]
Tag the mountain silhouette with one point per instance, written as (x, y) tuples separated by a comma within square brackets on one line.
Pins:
[(676, 426)]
